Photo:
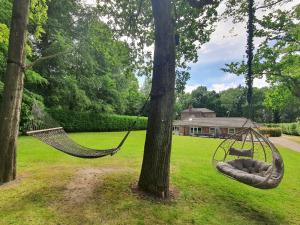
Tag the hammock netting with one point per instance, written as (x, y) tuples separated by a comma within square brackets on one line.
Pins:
[(250, 158), (46, 129)]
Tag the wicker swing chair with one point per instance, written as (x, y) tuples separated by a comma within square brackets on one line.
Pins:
[(250, 158)]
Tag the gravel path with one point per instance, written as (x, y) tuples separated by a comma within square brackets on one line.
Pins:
[(284, 142)]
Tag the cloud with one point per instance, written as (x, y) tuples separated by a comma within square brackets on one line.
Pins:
[(222, 87), (259, 83), (89, 2), (228, 81), (190, 88)]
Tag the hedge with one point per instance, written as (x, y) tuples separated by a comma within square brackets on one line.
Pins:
[(271, 131), (92, 121), (288, 128)]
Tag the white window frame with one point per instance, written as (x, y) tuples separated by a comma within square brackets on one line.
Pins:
[(200, 130), (210, 130), (196, 130), (191, 130), (231, 129)]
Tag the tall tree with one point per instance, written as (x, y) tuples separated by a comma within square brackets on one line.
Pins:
[(13, 89), (189, 24), (155, 173)]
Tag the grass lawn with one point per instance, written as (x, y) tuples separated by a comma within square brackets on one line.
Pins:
[(293, 138), (54, 188)]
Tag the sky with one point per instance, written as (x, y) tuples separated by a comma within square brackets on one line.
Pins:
[(227, 44)]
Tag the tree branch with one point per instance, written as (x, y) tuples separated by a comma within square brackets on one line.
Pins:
[(201, 3), (29, 66), (269, 5)]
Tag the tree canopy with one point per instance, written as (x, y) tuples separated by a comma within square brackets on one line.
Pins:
[(277, 56), (91, 70)]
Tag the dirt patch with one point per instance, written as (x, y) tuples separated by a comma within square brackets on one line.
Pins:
[(173, 194), (85, 182)]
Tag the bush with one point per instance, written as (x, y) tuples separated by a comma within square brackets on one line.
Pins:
[(92, 121), (288, 128), (271, 131)]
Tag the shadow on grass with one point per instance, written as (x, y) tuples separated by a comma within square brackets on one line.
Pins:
[(244, 207)]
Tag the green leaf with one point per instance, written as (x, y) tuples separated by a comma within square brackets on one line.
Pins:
[(33, 77)]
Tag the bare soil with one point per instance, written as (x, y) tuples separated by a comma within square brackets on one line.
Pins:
[(85, 182), (173, 194)]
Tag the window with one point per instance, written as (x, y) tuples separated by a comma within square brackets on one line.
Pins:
[(175, 128), (231, 130), (196, 130), (199, 130), (212, 130)]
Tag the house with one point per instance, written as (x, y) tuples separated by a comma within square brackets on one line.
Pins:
[(204, 122), (197, 113)]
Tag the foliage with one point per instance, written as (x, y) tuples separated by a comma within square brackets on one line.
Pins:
[(271, 131), (133, 19), (277, 57), (288, 128), (91, 121), (96, 75), (279, 53), (201, 98), (282, 102), (5, 12), (4, 33), (37, 17), (93, 75), (277, 98)]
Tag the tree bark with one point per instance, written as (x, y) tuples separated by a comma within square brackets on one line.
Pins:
[(13, 90), (249, 52), (154, 177)]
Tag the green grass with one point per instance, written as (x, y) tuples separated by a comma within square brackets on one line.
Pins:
[(206, 197), (293, 138)]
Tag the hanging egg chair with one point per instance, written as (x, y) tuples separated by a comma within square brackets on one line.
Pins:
[(250, 158)]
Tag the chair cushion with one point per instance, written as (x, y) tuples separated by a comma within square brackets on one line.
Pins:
[(241, 152), (252, 166), (247, 171), (243, 175)]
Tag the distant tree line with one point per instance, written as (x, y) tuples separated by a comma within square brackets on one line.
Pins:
[(269, 104)]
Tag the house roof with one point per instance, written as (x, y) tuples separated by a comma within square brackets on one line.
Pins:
[(203, 110), (233, 122)]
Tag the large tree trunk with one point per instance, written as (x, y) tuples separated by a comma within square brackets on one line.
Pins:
[(13, 89), (154, 178)]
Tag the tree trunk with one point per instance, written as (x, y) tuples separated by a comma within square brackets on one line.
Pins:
[(154, 178), (13, 89), (249, 52)]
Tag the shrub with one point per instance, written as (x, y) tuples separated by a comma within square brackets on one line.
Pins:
[(92, 121), (271, 131), (288, 128)]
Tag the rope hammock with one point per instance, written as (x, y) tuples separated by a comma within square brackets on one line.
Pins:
[(43, 127)]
